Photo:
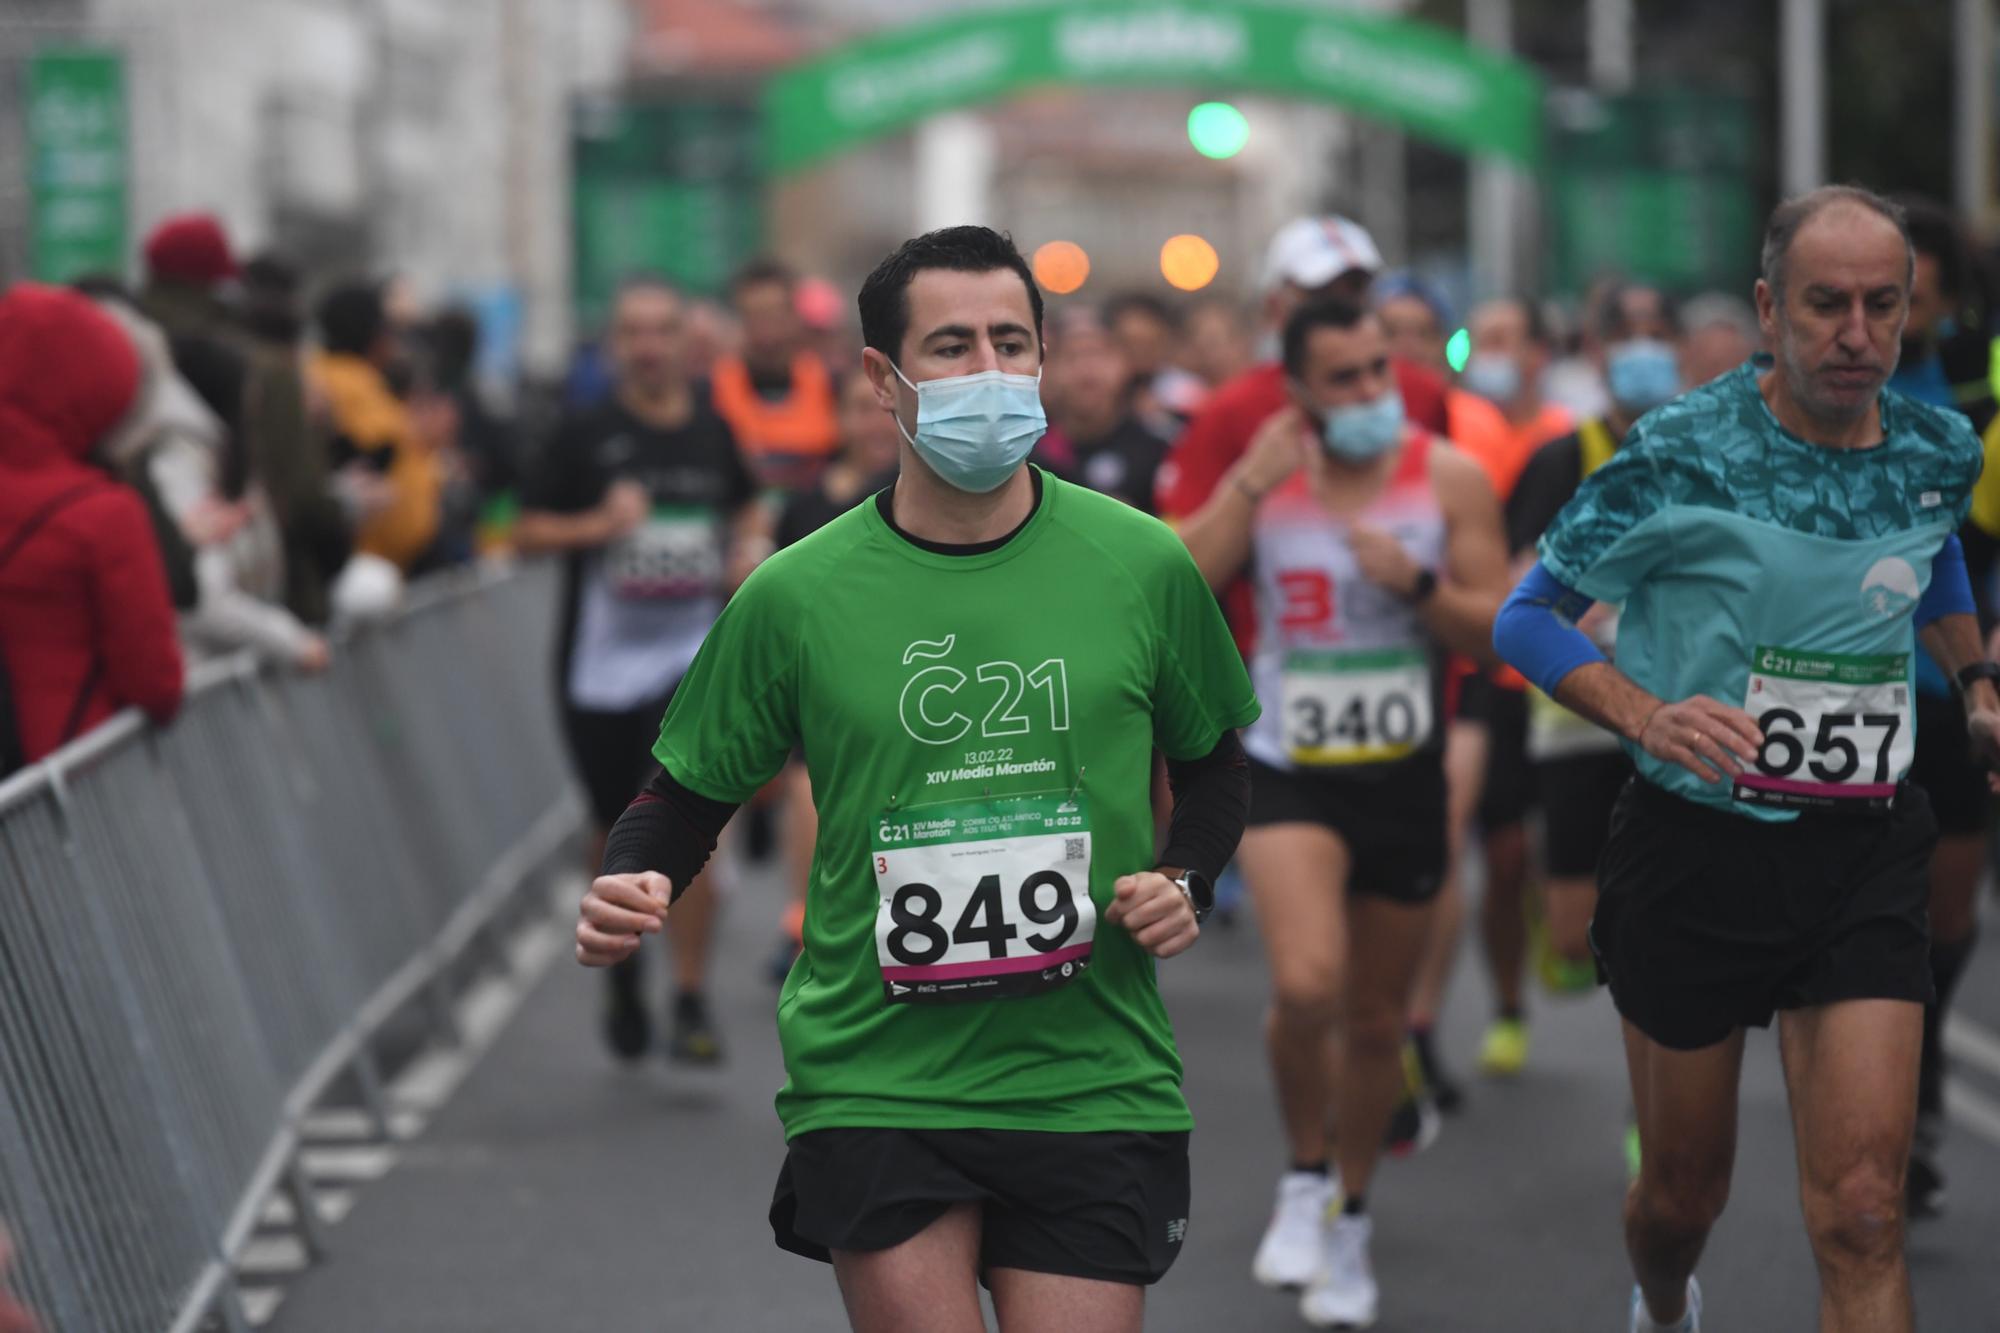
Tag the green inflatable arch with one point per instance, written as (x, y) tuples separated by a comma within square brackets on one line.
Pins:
[(1423, 78)]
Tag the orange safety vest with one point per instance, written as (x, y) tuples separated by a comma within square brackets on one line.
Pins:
[(1480, 429), (803, 422)]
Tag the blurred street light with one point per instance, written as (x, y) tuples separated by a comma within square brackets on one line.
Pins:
[(1458, 350), (1218, 130), (1189, 262), (1061, 266)]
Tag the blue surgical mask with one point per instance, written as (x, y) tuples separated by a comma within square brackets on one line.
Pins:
[(1494, 378), (1642, 374), (975, 430), (1364, 431)]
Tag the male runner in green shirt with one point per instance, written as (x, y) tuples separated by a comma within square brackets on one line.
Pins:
[(978, 665)]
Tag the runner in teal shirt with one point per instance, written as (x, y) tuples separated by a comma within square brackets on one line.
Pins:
[(1775, 538), (1775, 574)]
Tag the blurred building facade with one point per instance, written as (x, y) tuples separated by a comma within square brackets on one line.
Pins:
[(490, 148), (425, 137)]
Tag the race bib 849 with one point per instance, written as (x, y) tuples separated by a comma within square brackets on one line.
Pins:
[(982, 899)]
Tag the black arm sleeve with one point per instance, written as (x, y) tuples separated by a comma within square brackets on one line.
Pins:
[(666, 828), (1211, 803)]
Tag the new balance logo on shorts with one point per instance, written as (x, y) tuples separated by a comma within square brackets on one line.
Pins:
[(1176, 1230)]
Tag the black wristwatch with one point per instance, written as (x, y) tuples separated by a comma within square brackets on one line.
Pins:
[(1978, 671), (1200, 894), (1427, 583)]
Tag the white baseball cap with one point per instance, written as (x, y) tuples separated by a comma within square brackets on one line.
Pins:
[(1311, 252)]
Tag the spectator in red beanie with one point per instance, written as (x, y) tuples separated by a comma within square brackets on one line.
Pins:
[(86, 621), (192, 249), (187, 261)]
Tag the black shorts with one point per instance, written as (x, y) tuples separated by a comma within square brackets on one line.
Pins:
[(1393, 823), (1577, 795), (1944, 767), (1708, 921), (1509, 792), (613, 752), (1110, 1206), (1475, 697)]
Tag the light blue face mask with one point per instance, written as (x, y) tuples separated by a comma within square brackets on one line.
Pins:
[(1642, 374), (1363, 432), (975, 430), (1494, 378)]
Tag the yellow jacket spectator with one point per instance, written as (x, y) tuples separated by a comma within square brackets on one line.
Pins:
[(371, 426)]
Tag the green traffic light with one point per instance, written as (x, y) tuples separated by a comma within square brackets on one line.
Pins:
[(1217, 129), (1458, 350)]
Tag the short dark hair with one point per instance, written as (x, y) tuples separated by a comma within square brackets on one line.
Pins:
[(885, 297), (351, 317), (1141, 303), (454, 342), (1535, 318), (102, 286), (1321, 312), (760, 271), (268, 272), (1608, 321), (1934, 231), (1787, 218), (271, 309)]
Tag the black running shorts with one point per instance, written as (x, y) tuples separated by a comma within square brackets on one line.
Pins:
[(1110, 1206), (1393, 823), (613, 752), (1708, 921), (1577, 793), (1509, 791), (1944, 767)]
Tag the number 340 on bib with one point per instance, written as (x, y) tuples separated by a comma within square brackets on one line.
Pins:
[(1355, 707)]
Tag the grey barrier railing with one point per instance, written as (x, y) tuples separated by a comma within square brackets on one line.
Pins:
[(204, 927)]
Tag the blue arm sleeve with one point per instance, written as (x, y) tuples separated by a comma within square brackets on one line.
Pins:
[(1530, 638), (1950, 593)]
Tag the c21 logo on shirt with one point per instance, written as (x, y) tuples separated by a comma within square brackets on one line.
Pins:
[(932, 699)]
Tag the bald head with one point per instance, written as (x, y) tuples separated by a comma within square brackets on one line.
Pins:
[(1847, 214)]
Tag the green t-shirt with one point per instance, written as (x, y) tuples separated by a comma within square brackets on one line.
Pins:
[(978, 729)]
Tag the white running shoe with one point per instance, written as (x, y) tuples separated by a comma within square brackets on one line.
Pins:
[(1642, 1322), (1344, 1294), (1289, 1254)]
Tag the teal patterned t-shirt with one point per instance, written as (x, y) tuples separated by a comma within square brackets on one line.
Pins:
[(1774, 575)]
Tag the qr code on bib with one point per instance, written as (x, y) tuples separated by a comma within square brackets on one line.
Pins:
[(1073, 849)]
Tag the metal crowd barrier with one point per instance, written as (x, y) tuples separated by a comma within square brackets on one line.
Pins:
[(202, 927)]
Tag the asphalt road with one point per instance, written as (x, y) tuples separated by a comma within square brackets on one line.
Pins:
[(554, 1192)]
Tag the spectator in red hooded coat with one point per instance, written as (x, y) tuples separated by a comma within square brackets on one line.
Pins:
[(86, 621)]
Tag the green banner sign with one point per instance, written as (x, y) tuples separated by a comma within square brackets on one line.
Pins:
[(663, 187), (1424, 78), (1656, 185), (76, 162)]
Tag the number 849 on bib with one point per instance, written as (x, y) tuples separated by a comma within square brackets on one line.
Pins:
[(983, 900)]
